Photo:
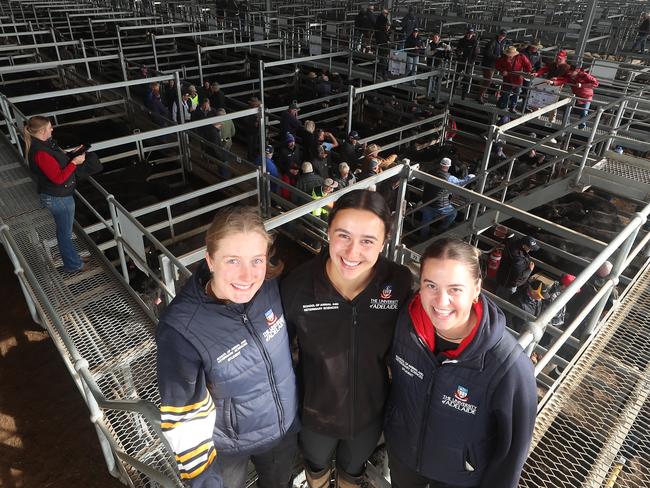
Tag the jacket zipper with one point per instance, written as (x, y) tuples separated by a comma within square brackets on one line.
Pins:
[(427, 402), (353, 369), (269, 371)]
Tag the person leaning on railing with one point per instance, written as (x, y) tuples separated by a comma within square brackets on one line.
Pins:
[(227, 387), (56, 180), (463, 397)]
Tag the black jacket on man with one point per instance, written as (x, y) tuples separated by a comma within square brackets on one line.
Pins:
[(343, 344), (514, 270)]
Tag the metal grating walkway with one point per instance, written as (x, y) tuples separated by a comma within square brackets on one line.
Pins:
[(107, 324), (626, 170), (595, 430)]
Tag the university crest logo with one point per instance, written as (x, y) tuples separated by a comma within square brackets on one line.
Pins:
[(461, 393)]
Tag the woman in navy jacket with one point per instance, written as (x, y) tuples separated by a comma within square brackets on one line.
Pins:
[(463, 399), (227, 387)]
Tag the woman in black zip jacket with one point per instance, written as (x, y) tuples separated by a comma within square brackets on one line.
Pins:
[(342, 305), (227, 387), (463, 398)]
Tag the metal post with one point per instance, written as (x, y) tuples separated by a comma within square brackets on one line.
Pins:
[(83, 53), (153, 48), (124, 73), (400, 211), (483, 171), (118, 237), (589, 144), (587, 22), (265, 187), (350, 106), (198, 55), (261, 73), (615, 125), (168, 275)]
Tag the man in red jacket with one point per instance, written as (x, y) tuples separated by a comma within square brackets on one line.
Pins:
[(582, 86), (512, 66)]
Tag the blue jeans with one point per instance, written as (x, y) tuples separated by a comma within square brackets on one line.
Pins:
[(582, 109), (429, 214), (639, 43), (509, 97), (62, 209), (411, 65)]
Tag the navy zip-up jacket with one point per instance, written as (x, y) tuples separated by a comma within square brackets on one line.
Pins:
[(466, 422), (225, 377)]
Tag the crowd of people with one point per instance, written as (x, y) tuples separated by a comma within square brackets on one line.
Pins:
[(256, 365)]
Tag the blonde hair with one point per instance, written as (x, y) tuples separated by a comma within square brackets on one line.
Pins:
[(310, 126), (234, 220), (33, 126)]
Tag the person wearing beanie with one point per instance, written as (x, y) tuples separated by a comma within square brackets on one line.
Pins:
[(308, 180), (553, 70), (492, 51), (437, 200), (289, 154), (512, 66)]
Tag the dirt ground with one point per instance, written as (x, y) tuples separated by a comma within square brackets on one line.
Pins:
[(46, 437)]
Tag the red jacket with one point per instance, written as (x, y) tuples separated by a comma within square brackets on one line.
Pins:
[(519, 62), (586, 81)]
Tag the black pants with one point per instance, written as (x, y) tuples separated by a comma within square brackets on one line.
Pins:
[(402, 476), (274, 466), (351, 455)]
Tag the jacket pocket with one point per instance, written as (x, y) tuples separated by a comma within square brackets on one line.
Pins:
[(477, 455), (229, 417)]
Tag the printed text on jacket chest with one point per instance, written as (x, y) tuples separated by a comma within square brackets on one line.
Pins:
[(385, 300)]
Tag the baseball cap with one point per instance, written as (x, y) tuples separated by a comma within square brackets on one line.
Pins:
[(562, 54), (539, 289), (445, 162), (307, 167), (294, 105), (503, 32), (353, 134), (373, 164), (330, 182), (470, 29), (268, 149), (566, 279), (530, 242), (289, 137)]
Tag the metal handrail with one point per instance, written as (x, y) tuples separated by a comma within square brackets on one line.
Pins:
[(625, 237)]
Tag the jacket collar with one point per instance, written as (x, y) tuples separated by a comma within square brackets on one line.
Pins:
[(324, 289)]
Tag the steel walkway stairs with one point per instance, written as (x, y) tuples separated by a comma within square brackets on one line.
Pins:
[(108, 326), (594, 431)]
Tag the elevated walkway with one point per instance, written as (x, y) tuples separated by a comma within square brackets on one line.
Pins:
[(594, 430), (104, 332)]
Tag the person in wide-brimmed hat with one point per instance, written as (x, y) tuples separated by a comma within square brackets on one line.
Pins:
[(512, 66), (371, 152)]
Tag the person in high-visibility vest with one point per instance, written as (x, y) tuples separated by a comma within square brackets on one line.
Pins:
[(329, 185)]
